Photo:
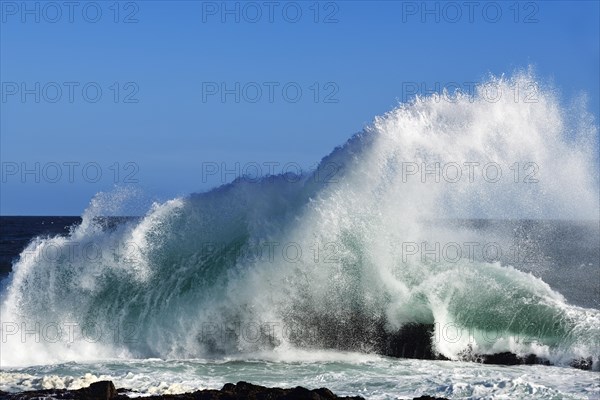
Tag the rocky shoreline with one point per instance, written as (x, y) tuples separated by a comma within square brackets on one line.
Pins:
[(105, 390), (411, 341)]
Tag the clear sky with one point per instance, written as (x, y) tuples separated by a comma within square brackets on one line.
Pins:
[(156, 94)]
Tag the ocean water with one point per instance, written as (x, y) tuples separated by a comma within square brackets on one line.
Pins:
[(478, 219), (347, 374)]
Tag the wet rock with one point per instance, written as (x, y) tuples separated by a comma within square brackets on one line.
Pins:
[(507, 358), (105, 390), (245, 390), (583, 363), (429, 398)]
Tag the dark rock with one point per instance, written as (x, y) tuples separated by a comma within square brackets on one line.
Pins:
[(245, 390), (411, 341), (583, 363), (507, 358), (372, 335), (105, 390), (361, 331), (429, 398)]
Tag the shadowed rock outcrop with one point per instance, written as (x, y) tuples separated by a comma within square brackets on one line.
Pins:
[(105, 390)]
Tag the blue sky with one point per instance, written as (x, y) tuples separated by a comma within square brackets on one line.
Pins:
[(163, 116)]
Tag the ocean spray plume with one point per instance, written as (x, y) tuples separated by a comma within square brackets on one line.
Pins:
[(175, 284)]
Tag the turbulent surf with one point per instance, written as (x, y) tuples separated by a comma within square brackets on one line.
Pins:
[(379, 237)]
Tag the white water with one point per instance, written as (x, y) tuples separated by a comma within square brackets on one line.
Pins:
[(345, 374), (338, 236)]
